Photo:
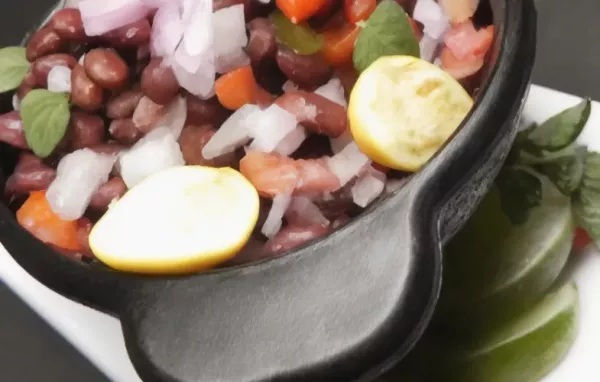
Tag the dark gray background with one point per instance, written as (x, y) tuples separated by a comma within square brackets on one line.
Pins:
[(568, 59)]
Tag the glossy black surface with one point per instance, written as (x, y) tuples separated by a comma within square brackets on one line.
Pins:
[(346, 308)]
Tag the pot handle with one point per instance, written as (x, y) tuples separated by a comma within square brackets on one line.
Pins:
[(91, 285)]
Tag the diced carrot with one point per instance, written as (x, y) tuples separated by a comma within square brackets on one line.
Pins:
[(582, 239), (359, 10), (237, 88), (37, 217), (300, 10), (338, 45)]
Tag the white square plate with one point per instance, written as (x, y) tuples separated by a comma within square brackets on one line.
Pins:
[(99, 337)]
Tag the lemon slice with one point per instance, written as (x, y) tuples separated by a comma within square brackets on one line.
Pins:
[(403, 109), (184, 219)]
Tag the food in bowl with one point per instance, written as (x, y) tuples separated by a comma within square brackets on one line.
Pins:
[(178, 136)]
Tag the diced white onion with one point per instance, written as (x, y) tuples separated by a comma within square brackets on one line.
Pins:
[(229, 31), (103, 16), (78, 177), (433, 18), (59, 79), (157, 151), (428, 46), (339, 143), (274, 219), (289, 86), (368, 187), (175, 116), (16, 102), (167, 29), (333, 91), (271, 127), (292, 141), (233, 134), (348, 163)]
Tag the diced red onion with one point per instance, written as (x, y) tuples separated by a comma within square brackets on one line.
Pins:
[(348, 163), (78, 177), (167, 29), (229, 31), (302, 211), (59, 79), (368, 187), (333, 91), (102, 16), (431, 15), (233, 134), (157, 151), (175, 116), (274, 219), (292, 141), (270, 129)]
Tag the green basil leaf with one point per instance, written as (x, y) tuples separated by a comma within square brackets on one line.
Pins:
[(566, 171), (13, 68), (520, 191), (299, 37), (559, 131), (524, 134), (388, 32), (45, 117)]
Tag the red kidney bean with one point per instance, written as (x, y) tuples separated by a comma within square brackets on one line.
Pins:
[(68, 25), (30, 174), (326, 17), (192, 141), (130, 36), (87, 130), (124, 131), (42, 66), (293, 236), (262, 44), (43, 42), (110, 148), (315, 112), (106, 68), (201, 112), (115, 188), (28, 84), (159, 82), (307, 71), (11, 130), (123, 105), (85, 93), (348, 77)]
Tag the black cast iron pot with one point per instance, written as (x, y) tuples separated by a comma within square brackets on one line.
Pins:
[(346, 308)]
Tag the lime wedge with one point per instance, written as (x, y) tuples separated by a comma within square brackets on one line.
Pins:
[(494, 269), (524, 349)]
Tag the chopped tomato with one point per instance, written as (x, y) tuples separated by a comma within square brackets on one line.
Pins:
[(465, 41), (236, 88), (271, 174), (338, 45), (359, 10), (300, 10), (460, 69), (582, 239), (37, 217)]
